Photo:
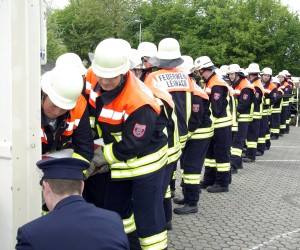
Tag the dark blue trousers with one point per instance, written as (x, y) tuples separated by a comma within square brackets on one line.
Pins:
[(167, 180), (142, 196), (95, 188), (262, 133), (238, 142), (191, 162), (219, 150), (252, 136)]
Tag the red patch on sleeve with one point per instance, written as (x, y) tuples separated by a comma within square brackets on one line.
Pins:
[(217, 96), (139, 130), (196, 108)]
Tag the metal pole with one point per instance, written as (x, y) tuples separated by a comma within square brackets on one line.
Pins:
[(140, 31)]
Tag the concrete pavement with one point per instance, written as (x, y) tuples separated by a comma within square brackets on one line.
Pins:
[(260, 211)]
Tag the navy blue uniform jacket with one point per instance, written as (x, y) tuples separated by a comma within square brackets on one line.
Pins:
[(74, 224)]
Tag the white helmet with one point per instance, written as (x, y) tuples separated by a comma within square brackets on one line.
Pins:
[(203, 62), (63, 85), (135, 60), (287, 73), (168, 49), (266, 71), (244, 72), (72, 60), (111, 58), (275, 79), (224, 69), (147, 49), (282, 73), (234, 68), (187, 66), (253, 68)]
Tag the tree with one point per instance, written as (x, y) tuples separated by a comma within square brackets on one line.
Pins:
[(229, 31)]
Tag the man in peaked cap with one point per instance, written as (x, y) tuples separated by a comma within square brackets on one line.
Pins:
[(68, 225)]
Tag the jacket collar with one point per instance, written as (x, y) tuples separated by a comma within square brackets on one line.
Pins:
[(68, 200)]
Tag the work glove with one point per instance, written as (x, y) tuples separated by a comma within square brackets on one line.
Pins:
[(98, 164)]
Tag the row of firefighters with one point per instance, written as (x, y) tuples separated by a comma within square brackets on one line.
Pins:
[(147, 106)]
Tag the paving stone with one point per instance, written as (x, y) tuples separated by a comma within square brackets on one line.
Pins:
[(261, 210)]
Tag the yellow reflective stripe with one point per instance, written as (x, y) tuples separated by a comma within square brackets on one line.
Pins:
[(108, 154), (251, 144), (234, 129), (44, 212), (287, 121), (129, 224), (155, 242), (175, 156), (202, 133), (174, 175), (275, 130), (285, 103), (223, 167), (267, 101), (236, 151), (191, 178), (137, 167), (249, 119), (183, 140), (168, 193), (282, 126), (92, 121), (117, 136), (266, 112), (276, 111), (268, 137), (78, 156), (99, 131), (257, 115), (261, 140), (223, 124), (209, 162), (188, 106)]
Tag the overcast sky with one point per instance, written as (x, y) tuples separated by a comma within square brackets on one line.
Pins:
[(294, 5)]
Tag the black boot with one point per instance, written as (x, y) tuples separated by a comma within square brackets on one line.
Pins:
[(179, 201), (217, 189), (186, 209), (248, 160)]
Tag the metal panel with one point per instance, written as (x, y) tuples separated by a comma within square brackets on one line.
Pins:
[(20, 195)]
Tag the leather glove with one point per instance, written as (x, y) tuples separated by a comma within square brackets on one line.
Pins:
[(98, 164)]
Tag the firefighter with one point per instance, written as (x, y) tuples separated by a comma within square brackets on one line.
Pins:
[(146, 50), (253, 129), (276, 111), (286, 88), (76, 62), (65, 119), (291, 100), (270, 97), (194, 152), (135, 146), (243, 95), (136, 64), (171, 79), (174, 149), (217, 176)]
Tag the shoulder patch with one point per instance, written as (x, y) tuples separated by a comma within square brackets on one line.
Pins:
[(196, 108), (139, 130), (245, 96), (217, 96)]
